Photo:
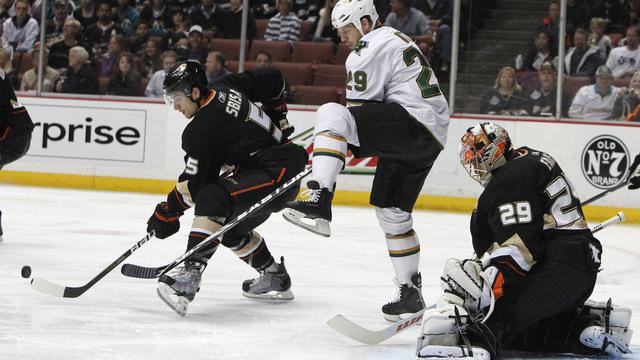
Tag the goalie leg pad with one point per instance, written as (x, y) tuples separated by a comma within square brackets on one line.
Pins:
[(614, 318), (444, 335), (438, 352), (609, 342)]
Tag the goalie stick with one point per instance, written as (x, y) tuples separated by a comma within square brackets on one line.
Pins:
[(144, 272), (360, 334), (53, 289)]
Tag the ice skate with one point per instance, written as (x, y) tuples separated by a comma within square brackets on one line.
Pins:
[(409, 300), (313, 213), (178, 287), (269, 286)]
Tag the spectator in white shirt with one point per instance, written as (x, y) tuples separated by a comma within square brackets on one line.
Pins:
[(624, 60), (21, 30), (285, 25), (595, 102), (154, 87)]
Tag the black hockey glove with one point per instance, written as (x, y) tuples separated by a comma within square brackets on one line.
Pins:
[(277, 111), (634, 171), (164, 221)]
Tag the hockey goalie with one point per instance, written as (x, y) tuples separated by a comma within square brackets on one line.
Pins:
[(537, 266)]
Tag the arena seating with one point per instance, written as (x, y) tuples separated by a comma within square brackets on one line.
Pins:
[(313, 52)]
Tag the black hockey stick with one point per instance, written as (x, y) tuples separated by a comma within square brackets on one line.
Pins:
[(602, 194), (49, 288), (143, 272)]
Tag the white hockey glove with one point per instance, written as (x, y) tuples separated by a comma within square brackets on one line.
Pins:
[(467, 280), (634, 176)]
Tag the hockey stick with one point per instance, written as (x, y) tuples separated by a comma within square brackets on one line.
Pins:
[(619, 217), (143, 272), (602, 194), (49, 288), (358, 333)]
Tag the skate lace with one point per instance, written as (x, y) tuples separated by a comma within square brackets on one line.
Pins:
[(311, 195), (402, 293)]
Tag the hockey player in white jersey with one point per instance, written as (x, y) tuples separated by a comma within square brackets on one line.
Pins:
[(396, 112)]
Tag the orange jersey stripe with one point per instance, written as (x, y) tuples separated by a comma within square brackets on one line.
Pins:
[(4, 135), (281, 174), (252, 188)]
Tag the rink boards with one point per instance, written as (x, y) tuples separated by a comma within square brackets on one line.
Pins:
[(112, 144)]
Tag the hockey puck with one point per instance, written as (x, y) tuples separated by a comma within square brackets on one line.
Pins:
[(26, 271)]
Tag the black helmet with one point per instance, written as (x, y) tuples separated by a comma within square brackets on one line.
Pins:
[(184, 76)]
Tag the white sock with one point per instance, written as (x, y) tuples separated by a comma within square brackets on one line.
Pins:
[(404, 250), (329, 153)]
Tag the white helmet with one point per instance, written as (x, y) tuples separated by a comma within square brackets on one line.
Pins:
[(484, 148), (347, 12)]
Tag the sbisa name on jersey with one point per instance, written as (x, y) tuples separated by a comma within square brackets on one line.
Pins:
[(87, 133), (605, 160)]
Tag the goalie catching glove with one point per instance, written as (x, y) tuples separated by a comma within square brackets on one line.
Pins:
[(164, 221), (476, 287)]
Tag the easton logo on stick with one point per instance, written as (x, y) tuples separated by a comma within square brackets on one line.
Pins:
[(409, 323), (605, 161)]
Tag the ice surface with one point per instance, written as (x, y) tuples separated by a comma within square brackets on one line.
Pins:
[(69, 236)]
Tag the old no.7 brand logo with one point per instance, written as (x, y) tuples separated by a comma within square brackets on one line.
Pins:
[(605, 161)]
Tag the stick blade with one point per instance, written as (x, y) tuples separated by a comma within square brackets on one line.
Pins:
[(356, 332), (141, 272), (47, 287)]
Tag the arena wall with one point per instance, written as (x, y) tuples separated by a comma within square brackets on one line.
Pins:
[(124, 145)]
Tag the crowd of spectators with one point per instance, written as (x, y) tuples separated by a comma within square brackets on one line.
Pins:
[(602, 59), (122, 47)]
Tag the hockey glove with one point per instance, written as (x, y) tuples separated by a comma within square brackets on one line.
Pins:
[(277, 111), (466, 279), (164, 221), (634, 171)]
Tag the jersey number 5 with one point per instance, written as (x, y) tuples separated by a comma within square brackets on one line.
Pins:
[(191, 167), (409, 56)]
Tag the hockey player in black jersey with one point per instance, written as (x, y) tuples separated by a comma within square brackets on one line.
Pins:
[(537, 266), (15, 127), (227, 129)]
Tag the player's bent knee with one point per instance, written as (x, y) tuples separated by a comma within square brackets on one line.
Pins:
[(394, 221), (333, 118), (213, 200)]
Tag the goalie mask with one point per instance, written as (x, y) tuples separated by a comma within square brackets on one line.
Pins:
[(483, 149)]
